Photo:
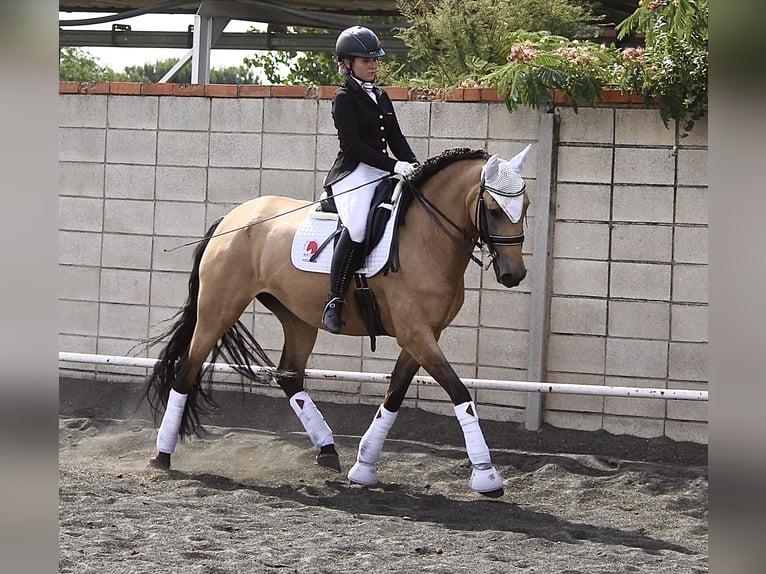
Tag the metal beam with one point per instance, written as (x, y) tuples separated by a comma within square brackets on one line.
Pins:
[(226, 41), (207, 30)]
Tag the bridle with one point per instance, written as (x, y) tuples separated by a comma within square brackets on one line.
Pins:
[(485, 238), (482, 226)]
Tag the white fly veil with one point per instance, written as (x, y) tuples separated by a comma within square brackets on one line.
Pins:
[(502, 181)]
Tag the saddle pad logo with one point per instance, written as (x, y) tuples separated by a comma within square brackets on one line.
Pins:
[(309, 249)]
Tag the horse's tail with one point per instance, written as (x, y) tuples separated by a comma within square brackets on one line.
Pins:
[(237, 346), (171, 364)]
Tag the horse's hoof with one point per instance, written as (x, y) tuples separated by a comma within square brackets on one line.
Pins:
[(486, 481), (363, 473), (162, 461), (493, 493), (328, 458)]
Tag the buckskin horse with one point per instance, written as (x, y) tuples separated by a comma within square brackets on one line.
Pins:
[(472, 197)]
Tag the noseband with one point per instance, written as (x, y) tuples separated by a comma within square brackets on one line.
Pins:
[(487, 238)]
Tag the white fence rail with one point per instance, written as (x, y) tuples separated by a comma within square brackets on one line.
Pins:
[(526, 386)]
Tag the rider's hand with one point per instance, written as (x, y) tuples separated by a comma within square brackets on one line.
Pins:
[(404, 168)]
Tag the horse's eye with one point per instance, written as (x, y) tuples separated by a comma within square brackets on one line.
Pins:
[(495, 212)]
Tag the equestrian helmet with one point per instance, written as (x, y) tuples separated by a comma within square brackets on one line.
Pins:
[(358, 41)]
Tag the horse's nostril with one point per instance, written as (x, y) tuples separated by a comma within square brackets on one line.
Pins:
[(513, 279)]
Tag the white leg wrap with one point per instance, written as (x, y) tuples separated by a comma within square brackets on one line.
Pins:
[(371, 444), (311, 419), (484, 476), (475, 445), (364, 470), (167, 437)]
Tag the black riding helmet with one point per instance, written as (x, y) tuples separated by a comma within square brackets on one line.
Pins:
[(358, 41)]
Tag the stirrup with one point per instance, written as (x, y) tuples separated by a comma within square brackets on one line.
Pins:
[(333, 310)]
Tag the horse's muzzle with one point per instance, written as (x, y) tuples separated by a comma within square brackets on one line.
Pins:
[(509, 275)]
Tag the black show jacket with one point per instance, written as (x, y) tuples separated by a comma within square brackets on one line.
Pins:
[(365, 130)]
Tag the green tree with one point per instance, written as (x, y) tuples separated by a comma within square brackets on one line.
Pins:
[(154, 72), (321, 68), (77, 64), (296, 68), (234, 75), (673, 67), (446, 36)]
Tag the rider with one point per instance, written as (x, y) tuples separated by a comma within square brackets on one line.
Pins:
[(366, 123)]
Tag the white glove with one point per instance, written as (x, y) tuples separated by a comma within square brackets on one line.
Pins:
[(404, 168)]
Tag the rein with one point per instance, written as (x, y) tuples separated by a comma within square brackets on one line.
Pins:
[(485, 237), (430, 208), (381, 178)]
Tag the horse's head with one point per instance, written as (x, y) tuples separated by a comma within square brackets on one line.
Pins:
[(500, 212)]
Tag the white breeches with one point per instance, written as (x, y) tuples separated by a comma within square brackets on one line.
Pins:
[(354, 206)]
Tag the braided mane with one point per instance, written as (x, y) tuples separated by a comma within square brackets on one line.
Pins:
[(439, 162), (435, 164)]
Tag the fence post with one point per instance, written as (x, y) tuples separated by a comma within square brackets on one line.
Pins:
[(542, 250)]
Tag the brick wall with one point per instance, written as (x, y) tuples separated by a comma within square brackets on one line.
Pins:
[(145, 168)]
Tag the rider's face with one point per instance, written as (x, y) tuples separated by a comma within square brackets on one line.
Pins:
[(365, 68)]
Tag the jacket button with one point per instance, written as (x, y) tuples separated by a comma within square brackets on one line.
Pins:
[(382, 128), (380, 117), (382, 139)]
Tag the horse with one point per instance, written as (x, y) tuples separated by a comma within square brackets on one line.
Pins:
[(472, 197)]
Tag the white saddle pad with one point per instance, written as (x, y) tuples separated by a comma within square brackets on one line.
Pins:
[(317, 226)]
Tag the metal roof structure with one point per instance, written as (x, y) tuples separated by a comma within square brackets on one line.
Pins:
[(212, 16)]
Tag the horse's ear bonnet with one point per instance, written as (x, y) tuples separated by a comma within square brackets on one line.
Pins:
[(503, 182)]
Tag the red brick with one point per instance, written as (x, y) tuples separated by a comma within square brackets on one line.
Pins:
[(398, 93), (125, 88), (69, 87), (454, 95), (289, 91), (251, 91), (94, 87), (471, 94), (221, 90), (560, 97), (636, 98), (615, 97), (157, 89), (327, 92), (188, 89), (491, 95)]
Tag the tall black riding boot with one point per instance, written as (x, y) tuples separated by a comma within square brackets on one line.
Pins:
[(347, 258)]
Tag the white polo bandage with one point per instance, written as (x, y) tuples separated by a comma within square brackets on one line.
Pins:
[(167, 436), (311, 419), (371, 444), (475, 445)]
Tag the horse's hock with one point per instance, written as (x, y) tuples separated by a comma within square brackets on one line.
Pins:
[(616, 250)]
